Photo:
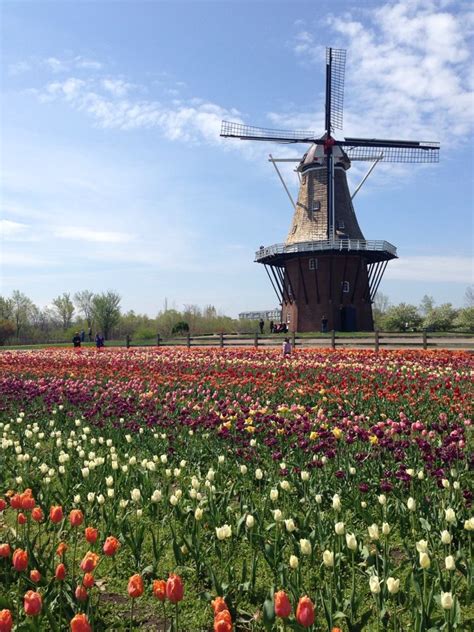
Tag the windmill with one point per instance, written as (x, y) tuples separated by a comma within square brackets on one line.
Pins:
[(327, 273)]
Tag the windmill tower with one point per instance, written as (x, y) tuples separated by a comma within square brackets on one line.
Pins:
[(326, 270)]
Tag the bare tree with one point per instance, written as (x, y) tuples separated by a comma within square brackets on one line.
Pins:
[(469, 296), (84, 304), (22, 308), (106, 311)]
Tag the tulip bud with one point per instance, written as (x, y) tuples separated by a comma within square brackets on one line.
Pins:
[(351, 541), (274, 494), (385, 528), (447, 600), (290, 525), (328, 558), (339, 528), (425, 561), (249, 521), (282, 604), (446, 537), (336, 502), (450, 517), (294, 562), (373, 532), (411, 504), (374, 584), (449, 563), (305, 547)]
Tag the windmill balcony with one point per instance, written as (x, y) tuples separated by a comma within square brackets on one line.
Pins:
[(373, 250)]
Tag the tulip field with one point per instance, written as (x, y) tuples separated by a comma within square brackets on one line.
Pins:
[(236, 490)]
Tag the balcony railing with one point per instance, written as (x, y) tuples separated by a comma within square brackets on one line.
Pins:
[(344, 245)]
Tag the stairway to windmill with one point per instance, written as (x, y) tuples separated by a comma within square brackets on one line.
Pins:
[(326, 272)]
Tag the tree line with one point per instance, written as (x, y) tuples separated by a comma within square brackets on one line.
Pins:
[(22, 321)]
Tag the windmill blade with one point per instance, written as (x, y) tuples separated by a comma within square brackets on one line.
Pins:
[(335, 74), (247, 132), (392, 150)]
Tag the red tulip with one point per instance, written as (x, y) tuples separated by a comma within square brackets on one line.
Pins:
[(159, 589), (174, 588), (305, 612), (5, 550), (20, 560), (56, 513), (89, 562), (60, 572), (111, 546), (135, 586), (80, 593), (282, 604), (15, 501), (223, 621), (21, 518), (91, 535), (35, 575), (218, 605), (88, 580), (32, 603), (3, 506), (76, 518), (6, 621), (27, 500), (80, 623), (37, 514), (61, 550)]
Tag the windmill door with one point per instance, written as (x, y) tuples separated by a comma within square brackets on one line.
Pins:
[(348, 318)]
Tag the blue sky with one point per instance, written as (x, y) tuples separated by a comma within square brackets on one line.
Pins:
[(114, 175)]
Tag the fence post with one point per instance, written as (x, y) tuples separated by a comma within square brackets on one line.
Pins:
[(255, 341), (377, 341), (425, 339), (221, 340), (293, 340), (188, 341), (127, 341), (158, 340), (333, 339)]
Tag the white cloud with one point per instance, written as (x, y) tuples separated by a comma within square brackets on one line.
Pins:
[(19, 68), (87, 64), (8, 228), (440, 269), (116, 87), (408, 70), (87, 234)]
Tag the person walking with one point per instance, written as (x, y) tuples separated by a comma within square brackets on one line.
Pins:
[(76, 341), (286, 348), (324, 324), (99, 341), (272, 326), (261, 324)]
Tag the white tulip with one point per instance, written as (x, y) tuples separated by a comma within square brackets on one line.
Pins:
[(101, 499), (173, 500), (164, 459), (469, 524), (156, 496), (198, 513), (243, 469), (290, 525), (339, 528), (336, 502), (450, 517), (446, 537), (373, 532), (249, 521), (277, 515), (450, 563), (274, 494), (285, 485), (110, 492), (385, 528), (374, 584), (223, 532), (294, 562), (136, 495), (304, 476), (351, 541), (445, 483), (382, 499), (411, 504), (425, 561), (393, 585), (258, 474), (446, 600), (422, 546), (318, 498), (328, 558)]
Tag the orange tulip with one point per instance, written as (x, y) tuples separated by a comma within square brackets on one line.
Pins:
[(80, 623), (218, 605), (61, 550), (135, 586), (159, 589), (21, 518), (56, 513), (35, 575), (91, 534), (5, 550), (6, 621), (76, 518), (20, 560), (80, 593), (336, 630), (305, 612), (88, 580), (223, 622), (32, 603), (174, 588), (60, 572), (282, 604), (111, 546), (37, 514), (89, 562)]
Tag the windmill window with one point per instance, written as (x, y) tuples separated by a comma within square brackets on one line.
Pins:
[(303, 179), (340, 223), (346, 287), (316, 205), (294, 229), (313, 264)]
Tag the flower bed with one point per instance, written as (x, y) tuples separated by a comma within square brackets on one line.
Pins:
[(328, 490)]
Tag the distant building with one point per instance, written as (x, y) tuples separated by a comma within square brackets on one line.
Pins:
[(269, 314)]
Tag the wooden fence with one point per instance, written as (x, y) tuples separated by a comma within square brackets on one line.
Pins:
[(376, 340)]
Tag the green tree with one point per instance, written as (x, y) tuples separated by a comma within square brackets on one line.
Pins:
[(6, 308), (381, 305), (427, 305), (64, 308), (464, 320), (84, 304), (402, 317), (106, 311), (7, 329), (440, 318), (22, 308), (469, 296)]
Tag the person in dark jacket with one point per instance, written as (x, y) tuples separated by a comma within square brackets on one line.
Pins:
[(99, 341), (76, 341)]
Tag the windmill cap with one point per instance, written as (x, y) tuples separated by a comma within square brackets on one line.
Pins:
[(316, 156)]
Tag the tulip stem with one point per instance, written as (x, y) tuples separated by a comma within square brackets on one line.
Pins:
[(131, 615), (176, 617)]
